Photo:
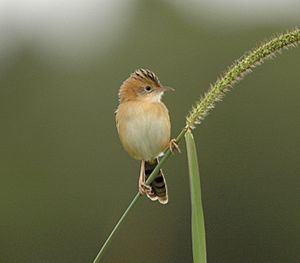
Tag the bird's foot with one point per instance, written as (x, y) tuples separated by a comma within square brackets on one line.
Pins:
[(173, 146), (145, 189)]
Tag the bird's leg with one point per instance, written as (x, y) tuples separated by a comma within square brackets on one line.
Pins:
[(174, 146), (143, 188)]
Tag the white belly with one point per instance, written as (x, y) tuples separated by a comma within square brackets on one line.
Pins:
[(144, 131)]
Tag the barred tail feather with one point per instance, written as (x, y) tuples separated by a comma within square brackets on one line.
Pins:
[(159, 185)]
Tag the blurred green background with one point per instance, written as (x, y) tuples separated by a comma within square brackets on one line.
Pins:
[(65, 179)]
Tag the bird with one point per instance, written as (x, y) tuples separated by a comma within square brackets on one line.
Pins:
[(144, 128)]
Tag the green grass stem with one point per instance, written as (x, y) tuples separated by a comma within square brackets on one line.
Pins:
[(215, 93), (133, 202)]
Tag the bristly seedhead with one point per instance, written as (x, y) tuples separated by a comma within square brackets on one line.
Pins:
[(145, 74), (237, 71)]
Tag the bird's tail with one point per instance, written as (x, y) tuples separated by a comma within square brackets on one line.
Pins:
[(159, 185)]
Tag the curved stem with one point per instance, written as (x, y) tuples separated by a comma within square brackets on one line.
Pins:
[(237, 71), (216, 92)]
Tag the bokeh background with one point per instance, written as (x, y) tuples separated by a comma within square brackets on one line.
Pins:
[(65, 180)]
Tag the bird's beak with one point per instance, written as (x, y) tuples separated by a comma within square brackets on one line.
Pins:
[(165, 88)]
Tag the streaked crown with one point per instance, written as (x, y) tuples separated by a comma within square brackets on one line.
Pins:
[(141, 84), (145, 74)]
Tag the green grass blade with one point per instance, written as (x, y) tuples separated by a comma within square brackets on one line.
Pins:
[(197, 114), (198, 228)]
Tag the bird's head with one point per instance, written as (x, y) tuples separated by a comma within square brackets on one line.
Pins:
[(142, 85)]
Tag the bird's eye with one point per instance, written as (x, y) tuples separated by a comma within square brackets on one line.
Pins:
[(148, 88)]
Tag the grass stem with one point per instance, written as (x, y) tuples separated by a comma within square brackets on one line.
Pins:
[(215, 93)]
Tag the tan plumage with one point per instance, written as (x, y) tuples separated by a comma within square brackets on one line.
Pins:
[(143, 125)]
